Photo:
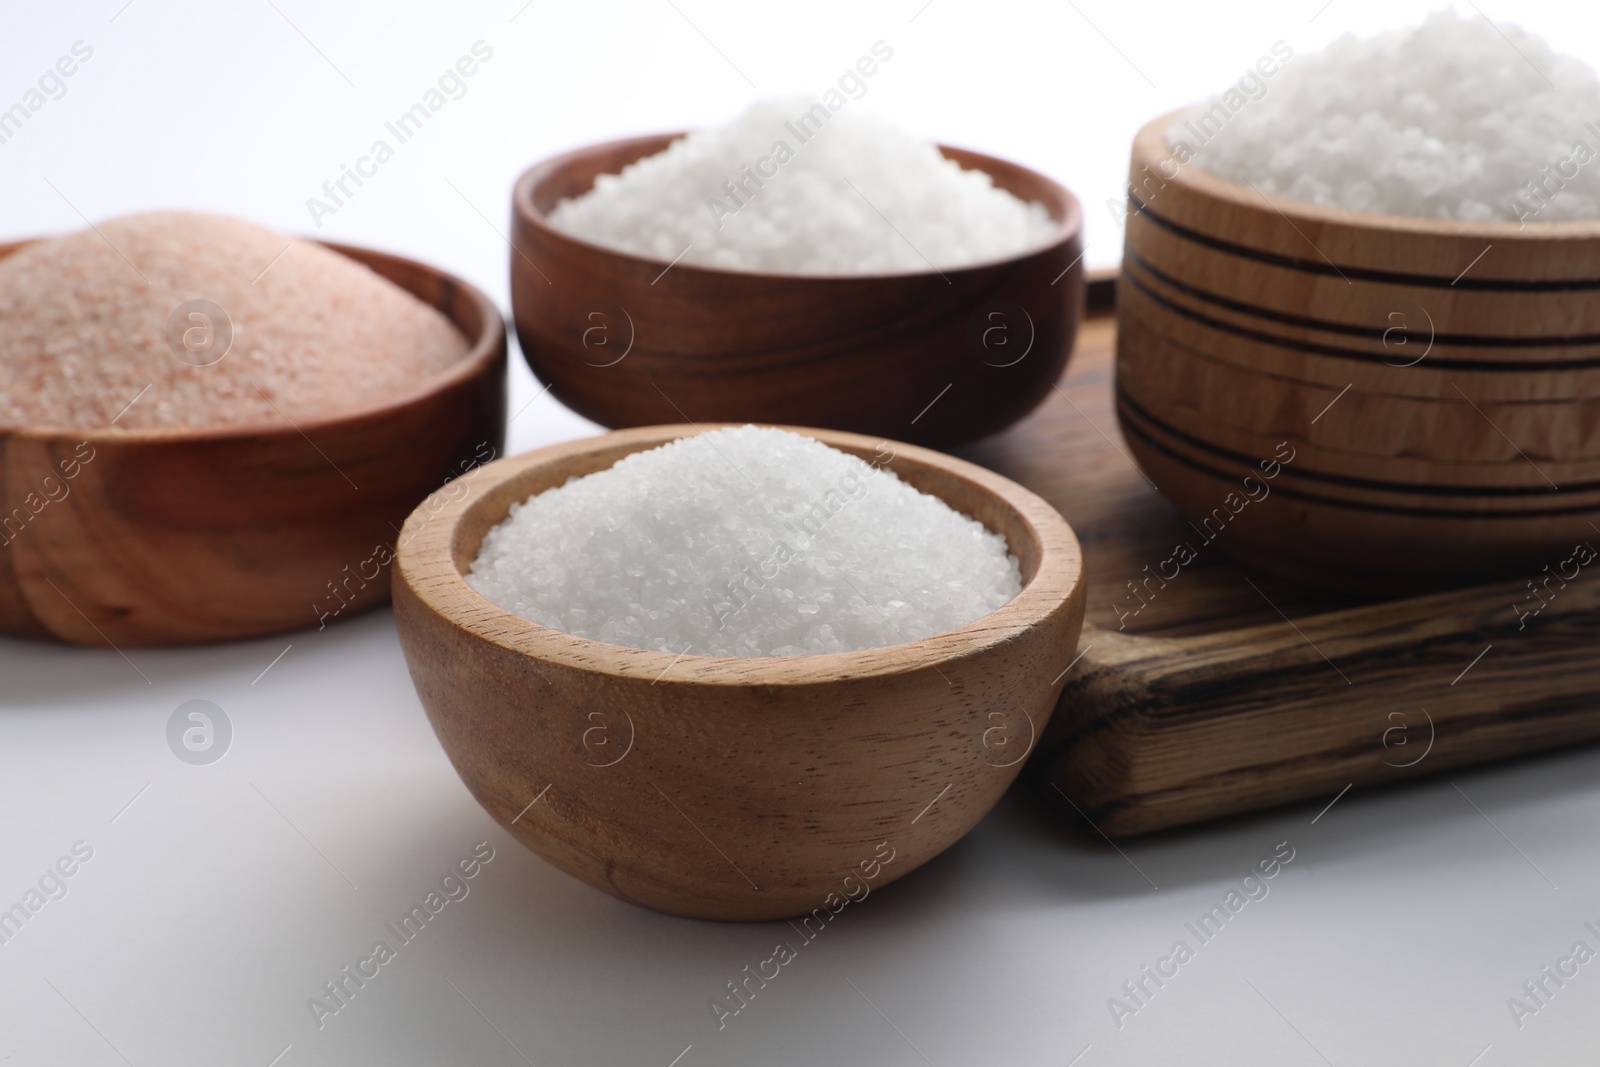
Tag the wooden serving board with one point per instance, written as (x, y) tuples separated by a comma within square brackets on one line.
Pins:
[(1222, 689)]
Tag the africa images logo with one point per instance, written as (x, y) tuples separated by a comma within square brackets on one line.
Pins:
[(199, 732)]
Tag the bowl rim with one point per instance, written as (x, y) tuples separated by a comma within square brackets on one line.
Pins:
[(1067, 228), (425, 551), (1151, 143), (482, 351)]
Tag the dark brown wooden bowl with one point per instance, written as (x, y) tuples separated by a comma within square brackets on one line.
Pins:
[(734, 788), (625, 344), (170, 536)]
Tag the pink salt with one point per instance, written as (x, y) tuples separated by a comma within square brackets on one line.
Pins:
[(84, 328)]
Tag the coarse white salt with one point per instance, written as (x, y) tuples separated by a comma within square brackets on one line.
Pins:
[(1452, 119), (744, 542), (86, 338), (790, 187)]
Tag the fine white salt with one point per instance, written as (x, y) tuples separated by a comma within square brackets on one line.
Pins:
[(1452, 119), (744, 542), (791, 187)]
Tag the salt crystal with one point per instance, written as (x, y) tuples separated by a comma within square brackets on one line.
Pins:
[(752, 542), (1452, 119), (84, 328), (856, 195)]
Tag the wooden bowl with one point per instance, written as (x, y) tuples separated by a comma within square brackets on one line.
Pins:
[(1400, 429), (1194, 426), (168, 536), (1324, 358), (734, 788), (1438, 380), (625, 341)]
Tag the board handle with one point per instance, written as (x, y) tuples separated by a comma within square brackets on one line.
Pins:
[(1155, 732)]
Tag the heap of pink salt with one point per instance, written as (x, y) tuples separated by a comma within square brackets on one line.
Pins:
[(84, 328)]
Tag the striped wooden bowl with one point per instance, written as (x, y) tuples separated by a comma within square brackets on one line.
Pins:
[(1438, 382), (1175, 382)]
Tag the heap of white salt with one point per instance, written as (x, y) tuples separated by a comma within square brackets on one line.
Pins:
[(1453, 119), (790, 187), (85, 338), (744, 542)]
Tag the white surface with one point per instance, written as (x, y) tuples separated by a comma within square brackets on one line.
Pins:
[(222, 898)]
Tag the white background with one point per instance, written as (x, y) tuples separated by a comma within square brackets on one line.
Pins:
[(222, 897)]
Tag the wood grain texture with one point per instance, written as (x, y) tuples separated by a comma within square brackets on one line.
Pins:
[(733, 788), (1459, 428), (1396, 355), (1472, 290), (185, 535), (1156, 732), (1208, 702), (626, 341), (1424, 539), (1072, 454), (1408, 357), (1186, 421)]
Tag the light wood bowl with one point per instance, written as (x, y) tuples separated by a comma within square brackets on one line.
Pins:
[(1461, 362), (171, 536), (865, 353), (1324, 358), (1186, 423), (1463, 429), (734, 788)]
